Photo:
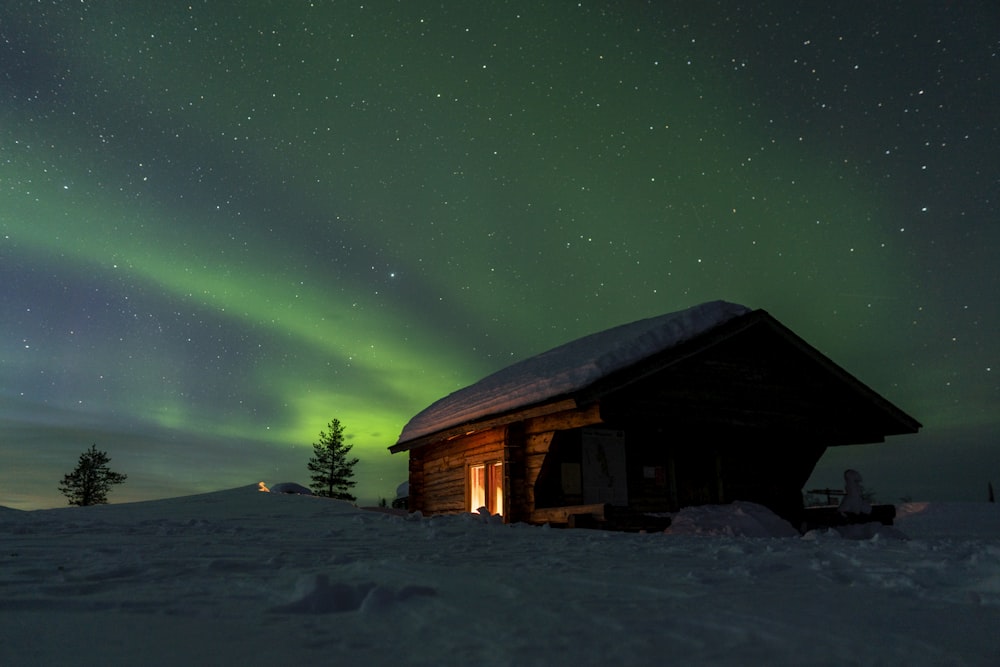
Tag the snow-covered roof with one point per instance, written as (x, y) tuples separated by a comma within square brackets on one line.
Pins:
[(568, 368)]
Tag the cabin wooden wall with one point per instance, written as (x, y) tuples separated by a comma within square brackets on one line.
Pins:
[(669, 469), (668, 466), (536, 437), (438, 471), (652, 465)]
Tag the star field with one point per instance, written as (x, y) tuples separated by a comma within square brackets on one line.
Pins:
[(222, 225)]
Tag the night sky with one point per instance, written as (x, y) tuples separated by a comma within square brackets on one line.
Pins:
[(224, 224)]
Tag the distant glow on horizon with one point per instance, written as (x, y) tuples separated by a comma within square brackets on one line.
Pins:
[(218, 231)]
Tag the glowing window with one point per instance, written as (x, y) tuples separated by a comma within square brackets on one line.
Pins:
[(486, 487)]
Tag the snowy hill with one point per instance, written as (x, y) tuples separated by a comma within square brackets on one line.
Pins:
[(246, 577)]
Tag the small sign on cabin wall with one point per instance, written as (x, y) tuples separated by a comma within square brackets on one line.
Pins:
[(656, 473)]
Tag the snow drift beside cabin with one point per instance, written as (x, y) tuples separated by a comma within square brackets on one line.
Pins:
[(568, 368)]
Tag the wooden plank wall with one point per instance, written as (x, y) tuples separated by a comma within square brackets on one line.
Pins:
[(538, 434), (437, 472)]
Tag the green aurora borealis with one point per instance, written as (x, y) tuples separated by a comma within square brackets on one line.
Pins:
[(223, 224)]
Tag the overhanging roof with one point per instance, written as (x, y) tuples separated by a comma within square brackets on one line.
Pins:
[(565, 369), (582, 371)]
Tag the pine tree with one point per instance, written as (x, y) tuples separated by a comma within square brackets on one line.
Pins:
[(331, 469), (91, 480)]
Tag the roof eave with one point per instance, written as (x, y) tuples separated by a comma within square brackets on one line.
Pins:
[(903, 423), (549, 407)]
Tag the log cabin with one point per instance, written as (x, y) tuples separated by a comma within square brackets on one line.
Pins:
[(711, 404)]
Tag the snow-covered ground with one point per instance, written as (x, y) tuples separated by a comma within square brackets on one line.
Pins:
[(243, 577)]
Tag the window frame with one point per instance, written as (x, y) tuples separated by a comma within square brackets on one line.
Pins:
[(492, 486)]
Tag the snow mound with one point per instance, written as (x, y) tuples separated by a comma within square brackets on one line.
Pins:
[(291, 487), (315, 594), (949, 519), (739, 519), (569, 368)]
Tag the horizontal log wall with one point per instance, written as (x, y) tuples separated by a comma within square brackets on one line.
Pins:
[(536, 446), (562, 421), (438, 471), (538, 435)]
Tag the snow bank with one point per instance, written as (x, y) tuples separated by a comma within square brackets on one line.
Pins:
[(570, 367), (255, 578), (953, 519), (745, 519), (739, 519), (290, 487)]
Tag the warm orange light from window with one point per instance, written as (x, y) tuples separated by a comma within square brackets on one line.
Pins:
[(477, 487), (486, 487), (496, 486)]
